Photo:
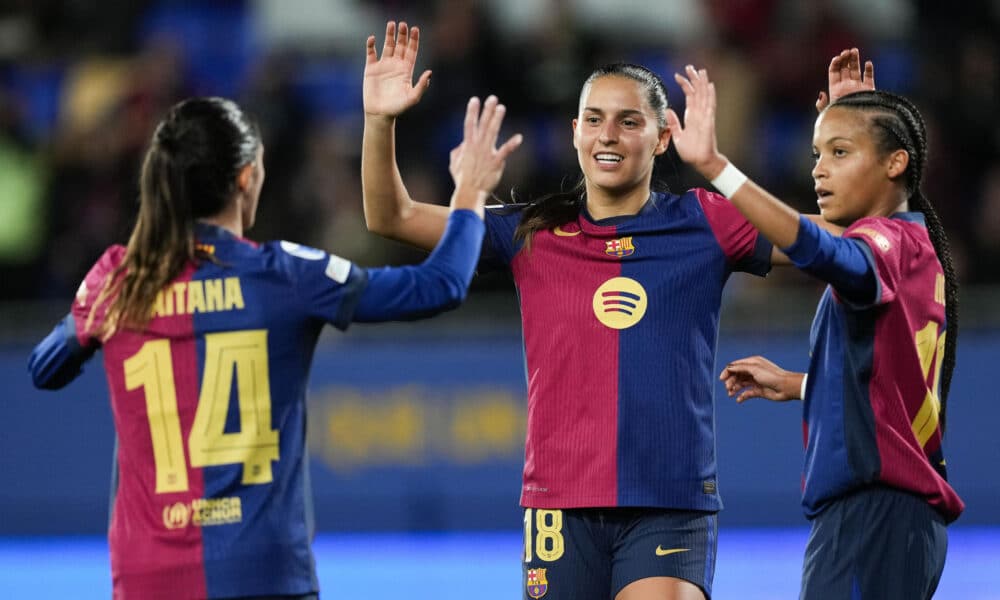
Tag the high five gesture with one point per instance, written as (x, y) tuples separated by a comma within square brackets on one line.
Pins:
[(388, 88)]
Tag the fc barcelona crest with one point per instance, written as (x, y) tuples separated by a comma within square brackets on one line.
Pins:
[(620, 247), (537, 584)]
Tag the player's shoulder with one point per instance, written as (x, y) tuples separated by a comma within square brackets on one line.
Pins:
[(110, 259), (701, 200), (506, 209), (890, 233), (293, 260)]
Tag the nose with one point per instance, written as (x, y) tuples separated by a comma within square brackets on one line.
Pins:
[(819, 170), (609, 132)]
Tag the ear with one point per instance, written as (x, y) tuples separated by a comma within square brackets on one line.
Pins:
[(897, 163), (664, 142), (574, 134), (244, 179)]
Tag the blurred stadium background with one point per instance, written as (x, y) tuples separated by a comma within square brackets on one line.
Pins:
[(417, 430)]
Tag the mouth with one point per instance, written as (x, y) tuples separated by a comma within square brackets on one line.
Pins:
[(822, 195), (608, 160)]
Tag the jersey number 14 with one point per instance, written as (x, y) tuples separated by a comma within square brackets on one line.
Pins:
[(255, 445)]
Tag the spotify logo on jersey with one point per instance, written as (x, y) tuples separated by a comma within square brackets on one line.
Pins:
[(620, 302)]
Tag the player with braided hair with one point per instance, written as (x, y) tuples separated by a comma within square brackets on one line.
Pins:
[(882, 342)]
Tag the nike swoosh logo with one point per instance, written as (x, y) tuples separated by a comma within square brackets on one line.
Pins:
[(559, 231), (660, 551)]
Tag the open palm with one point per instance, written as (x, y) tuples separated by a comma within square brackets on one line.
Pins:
[(388, 88)]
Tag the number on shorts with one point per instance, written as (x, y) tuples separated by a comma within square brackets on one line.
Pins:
[(548, 542)]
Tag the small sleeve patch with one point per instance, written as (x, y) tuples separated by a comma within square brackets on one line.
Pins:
[(304, 252), (881, 242), (338, 269)]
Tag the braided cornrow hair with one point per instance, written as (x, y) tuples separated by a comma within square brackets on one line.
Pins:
[(900, 126)]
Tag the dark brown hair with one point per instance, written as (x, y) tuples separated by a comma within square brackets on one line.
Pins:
[(189, 172)]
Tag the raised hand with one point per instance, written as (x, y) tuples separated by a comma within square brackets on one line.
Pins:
[(695, 141), (388, 88), (477, 164), (757, 377), (845, 77)]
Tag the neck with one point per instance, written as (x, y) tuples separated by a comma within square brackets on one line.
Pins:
[(602, 204), (230, 219), (897, 204)]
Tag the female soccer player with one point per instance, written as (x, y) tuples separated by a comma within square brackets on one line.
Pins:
[(207, 341), (620, 290), (883, 342)]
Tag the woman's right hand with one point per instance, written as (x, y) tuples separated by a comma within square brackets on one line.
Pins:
[(757, 377), (477, 164), (388, 89)]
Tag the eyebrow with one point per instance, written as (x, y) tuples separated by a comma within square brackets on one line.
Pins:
[(625, 112), (838, 138)]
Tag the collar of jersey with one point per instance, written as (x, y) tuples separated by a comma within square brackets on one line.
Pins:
[(612, 224), (205, 231), (913, 217)]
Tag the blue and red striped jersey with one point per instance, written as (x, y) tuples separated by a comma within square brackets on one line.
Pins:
[(620, 319), (213, 497), (871, 404)]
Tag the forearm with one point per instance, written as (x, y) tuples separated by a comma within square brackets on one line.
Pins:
[(384, 195), (439, 283), (58, 358), (389, 210)]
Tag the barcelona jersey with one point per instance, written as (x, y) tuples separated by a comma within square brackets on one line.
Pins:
[(871, 410), (213, 497), (620, 319)]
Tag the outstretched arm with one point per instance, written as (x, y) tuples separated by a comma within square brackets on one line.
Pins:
[(441, 281), (757, 377), (696, 145), (845, 77), (839, 261), (388, 91)]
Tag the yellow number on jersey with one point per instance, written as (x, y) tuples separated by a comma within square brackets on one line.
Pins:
[(549, 543), (930, 349), (152, 369), (254, 446)]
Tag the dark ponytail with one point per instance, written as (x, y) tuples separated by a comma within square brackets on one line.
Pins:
[(189, 172), (562, 207), (900, 126)]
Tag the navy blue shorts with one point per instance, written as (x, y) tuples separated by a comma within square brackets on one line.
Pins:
[(877, 543), (592, 553)]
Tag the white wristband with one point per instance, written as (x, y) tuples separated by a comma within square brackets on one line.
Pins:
[(802, 390), (729, 180)]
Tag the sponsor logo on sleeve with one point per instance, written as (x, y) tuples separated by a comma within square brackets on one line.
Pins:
[(881, 242), (304, 252), (338, 269)]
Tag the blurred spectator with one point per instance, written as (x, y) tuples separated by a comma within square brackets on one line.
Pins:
[(82, 83)]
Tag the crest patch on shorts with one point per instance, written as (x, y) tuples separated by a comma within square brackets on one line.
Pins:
[(537, 584)]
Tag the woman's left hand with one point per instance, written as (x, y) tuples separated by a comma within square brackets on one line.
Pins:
[(695, 141)]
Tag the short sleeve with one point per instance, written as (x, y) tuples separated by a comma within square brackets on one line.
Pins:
[(744, 247), (326, 286)]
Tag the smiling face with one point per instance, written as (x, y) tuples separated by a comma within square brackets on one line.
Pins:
[(853, 178), (617, 135)]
